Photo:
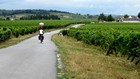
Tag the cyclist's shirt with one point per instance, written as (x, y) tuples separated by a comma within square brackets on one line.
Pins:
[(41, 31)]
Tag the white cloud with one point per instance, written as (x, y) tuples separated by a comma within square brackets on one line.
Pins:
[(126, 6), (137, 5), (94, 6)]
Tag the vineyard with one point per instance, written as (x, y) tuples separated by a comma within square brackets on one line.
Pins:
[(120, 39), (16, 28)]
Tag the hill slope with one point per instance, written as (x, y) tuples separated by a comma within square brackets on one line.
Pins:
[(17, 14)]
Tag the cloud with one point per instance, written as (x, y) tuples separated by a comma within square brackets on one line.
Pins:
[(137, 5), (77, 6)]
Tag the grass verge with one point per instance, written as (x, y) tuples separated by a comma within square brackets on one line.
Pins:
[(82, 61)]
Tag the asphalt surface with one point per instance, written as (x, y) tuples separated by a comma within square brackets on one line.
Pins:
[(30, 59)]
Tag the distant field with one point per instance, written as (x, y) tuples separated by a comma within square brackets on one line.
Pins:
[(36, 22), (1, 17), (122, 39)]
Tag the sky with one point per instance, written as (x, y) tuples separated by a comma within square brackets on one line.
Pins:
[(118, 7)]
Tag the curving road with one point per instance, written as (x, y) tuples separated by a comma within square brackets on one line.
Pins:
[(30, 59)]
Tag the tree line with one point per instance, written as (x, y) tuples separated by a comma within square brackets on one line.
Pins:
[(102, 17), (126, 15), (40, 17), (4, 12)]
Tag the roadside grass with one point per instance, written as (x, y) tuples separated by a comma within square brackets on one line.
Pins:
[(82, 61), (13, 40)]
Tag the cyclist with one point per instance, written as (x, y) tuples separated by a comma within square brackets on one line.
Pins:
[(41, 32)]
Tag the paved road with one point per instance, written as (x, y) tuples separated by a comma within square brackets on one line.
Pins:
[(77, 25), (30, 59)]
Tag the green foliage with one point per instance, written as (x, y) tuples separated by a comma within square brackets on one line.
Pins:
[(102, 17), (117, 38), (110, 18), (64, 32), (17, 28), (40, 17), (139, 15), (48, 23), (5, 33), (126, 16), (27, 11)]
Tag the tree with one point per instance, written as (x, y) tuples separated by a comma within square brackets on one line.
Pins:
[(110, 18), (7, 18), (89, 16), (102, 17), (126, 16), (40, 17), (139, 14)]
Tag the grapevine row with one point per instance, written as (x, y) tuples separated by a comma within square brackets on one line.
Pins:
[(18, 27), (7, 32), (119, 39)]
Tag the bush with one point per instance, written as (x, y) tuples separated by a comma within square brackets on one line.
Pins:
[(5, 33), (64, 32)]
